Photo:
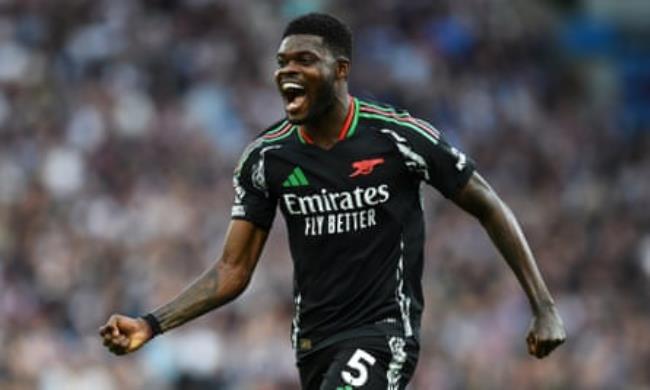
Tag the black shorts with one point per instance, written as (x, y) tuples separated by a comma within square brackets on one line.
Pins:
[(361, 363)]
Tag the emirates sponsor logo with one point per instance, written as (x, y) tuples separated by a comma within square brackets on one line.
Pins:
[(327, 202)]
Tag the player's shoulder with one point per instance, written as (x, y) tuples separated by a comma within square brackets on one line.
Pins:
[(371, 105), (271, 137), (396, 119), (278, 131)]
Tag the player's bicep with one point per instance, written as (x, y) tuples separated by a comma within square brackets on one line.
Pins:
[(243, 245), (477, 197)]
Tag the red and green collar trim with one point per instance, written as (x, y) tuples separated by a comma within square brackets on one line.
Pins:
[(349, 125)]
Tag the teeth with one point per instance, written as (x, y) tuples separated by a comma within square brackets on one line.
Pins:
[(290, 85)]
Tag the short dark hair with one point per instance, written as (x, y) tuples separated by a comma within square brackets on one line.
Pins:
[(336, 34)]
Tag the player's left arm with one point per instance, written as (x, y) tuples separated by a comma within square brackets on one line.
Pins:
[(546, 331)]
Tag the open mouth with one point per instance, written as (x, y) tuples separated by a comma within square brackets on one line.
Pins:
[(294, 95)]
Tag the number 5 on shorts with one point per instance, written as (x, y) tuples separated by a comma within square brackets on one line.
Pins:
[(356, 362)]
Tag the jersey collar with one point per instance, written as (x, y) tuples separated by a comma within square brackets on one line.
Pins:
[(349, 124)]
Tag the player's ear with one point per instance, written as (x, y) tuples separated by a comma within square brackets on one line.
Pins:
[(342, 68)]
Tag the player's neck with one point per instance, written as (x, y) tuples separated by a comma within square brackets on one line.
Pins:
[(324, 132)]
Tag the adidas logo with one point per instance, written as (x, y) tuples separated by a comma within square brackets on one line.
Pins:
[(296, 179)]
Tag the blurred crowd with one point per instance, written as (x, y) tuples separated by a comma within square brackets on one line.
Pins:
[(121, 122)]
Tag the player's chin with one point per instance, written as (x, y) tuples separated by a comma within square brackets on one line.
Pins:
[(297, 117), (295, 120)]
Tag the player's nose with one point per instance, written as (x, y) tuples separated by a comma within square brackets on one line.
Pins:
[(290, 68)]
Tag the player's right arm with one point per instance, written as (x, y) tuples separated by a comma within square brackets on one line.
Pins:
[(218, 285), (252, 216)]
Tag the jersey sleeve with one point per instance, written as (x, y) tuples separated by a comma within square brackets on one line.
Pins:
[(253, 201), (431, 157)]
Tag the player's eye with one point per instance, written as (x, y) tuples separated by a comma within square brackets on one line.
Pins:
[(281, 62), (306, 59)]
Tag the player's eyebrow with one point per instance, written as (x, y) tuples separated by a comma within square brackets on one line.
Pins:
[(298, 53)]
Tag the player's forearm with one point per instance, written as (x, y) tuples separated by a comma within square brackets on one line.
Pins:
[(215, 287), (505, 232)]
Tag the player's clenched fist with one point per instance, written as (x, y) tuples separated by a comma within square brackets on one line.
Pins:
[(122, 334), (546, 333)]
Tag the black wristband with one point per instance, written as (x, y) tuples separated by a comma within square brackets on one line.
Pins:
[(153, 324)]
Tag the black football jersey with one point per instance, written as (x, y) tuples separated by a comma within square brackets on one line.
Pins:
[(354, 216)]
